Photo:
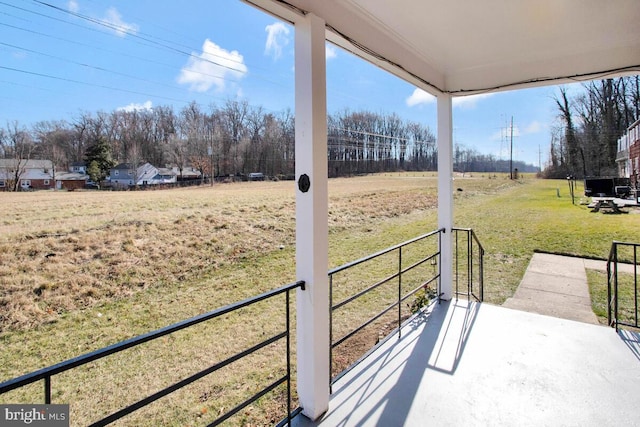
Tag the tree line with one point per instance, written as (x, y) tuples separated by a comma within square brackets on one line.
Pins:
[(585, 140), (230, 140)]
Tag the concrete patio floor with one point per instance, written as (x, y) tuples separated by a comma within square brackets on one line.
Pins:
[(471, 364)]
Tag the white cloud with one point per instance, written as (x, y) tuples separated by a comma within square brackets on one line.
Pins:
[(505, 133), (115, 22), (277, 39), (19, 55), (534, 127), (418, 97), (469, 102), (146, 106), (112, 20), (73, 6), (212, 67), (330, 52)]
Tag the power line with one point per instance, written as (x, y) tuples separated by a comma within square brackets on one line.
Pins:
[(88, 84), (102, 49), (379, 135), (145, 37), (114, 28), (162, 44), (106, 70)]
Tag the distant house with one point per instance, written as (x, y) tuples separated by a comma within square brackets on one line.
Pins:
[(628, 156), (75, 179), (71, 181), (126, 175), (78, 167), (622, 157), (633, 136), (30, 174), (188, 173), (165, 176)]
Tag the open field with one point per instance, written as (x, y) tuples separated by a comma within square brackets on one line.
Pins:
[(82, 270), (61, 252)]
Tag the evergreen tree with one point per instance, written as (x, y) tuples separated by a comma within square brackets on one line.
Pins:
[(98, 159), (94, 172)]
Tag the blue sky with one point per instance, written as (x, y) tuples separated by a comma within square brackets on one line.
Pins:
[(60, 59)]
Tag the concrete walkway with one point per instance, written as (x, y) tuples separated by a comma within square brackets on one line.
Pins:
[(556, 286)]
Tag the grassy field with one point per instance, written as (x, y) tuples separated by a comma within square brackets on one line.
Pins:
[(82, 270)]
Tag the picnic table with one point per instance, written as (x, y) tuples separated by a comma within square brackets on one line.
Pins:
[(606, 204)]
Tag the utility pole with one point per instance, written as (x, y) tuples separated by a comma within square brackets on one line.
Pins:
[(210, 149), (539, 158), (511, 152)]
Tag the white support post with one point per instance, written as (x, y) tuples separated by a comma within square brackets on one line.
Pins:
[(445, 192), (312, 262)]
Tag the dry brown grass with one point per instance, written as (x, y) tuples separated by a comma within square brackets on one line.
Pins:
[(61, 251), (67, 251), (128, 263)]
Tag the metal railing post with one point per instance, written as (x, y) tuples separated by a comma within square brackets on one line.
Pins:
[(615, 284), (469, 265), (609, 288), (330, 332), (457, 261), (635, 281), (474, 248), (399, 292), (47, 389), (614, 301), (288, 358), (439, 291), (481, 274)]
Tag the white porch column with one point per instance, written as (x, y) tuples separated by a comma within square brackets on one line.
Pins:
[(312, 261), (445, 192)]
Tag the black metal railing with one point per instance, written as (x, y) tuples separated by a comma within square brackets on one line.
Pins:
[(469, 264), (622, 287), (386, 281), (400, 287), (46, 375)]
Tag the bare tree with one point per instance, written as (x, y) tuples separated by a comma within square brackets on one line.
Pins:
[(17, 147), (255, 146), (573, 150), (177, 153), (53, 140), (234, 124)]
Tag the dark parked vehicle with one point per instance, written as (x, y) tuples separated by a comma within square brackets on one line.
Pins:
[(606, 187)]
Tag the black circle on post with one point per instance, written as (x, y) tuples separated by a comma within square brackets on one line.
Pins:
[(304, 183)]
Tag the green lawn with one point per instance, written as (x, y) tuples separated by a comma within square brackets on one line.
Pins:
[(627, 309), (530, 217)]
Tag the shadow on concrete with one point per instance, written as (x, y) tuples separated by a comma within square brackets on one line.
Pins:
[(387, 382), (442, 345), (443, 355), (632, 341)]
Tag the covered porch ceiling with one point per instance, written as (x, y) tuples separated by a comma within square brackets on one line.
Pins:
[(464, 47)]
